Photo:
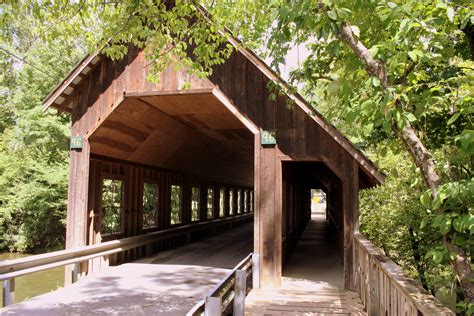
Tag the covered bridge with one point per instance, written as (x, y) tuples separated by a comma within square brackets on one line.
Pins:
[(148, 156)]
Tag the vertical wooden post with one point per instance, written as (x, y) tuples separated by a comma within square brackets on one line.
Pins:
[(350, 220), (268, 231), (240, 287), (203, 202), (8, 292), (213, 306), (76, 227), (226, 202), (216, 205), (75, 271), (255, 271)]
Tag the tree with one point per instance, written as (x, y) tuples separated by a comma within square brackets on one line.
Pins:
[(33, 144), (395, 68), (400, 71)]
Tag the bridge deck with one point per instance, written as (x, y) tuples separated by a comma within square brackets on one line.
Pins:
[(312, 280), (168, 283)]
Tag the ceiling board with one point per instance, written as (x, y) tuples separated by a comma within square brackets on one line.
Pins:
[(162, 131)]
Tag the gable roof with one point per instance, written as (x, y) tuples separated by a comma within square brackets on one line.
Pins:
[(60, 99)]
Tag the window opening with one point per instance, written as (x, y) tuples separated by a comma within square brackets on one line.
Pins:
[(150, 205), (176, 204), (112, 196)]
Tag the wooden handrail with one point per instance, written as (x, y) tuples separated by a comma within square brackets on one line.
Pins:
[(11, 269), (384, 288), (231, 289), (229, 278)]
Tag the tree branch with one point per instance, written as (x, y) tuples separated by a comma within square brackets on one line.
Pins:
[(374, 67), (414, 145)]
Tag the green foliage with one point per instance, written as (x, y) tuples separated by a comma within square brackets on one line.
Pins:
[(395, 220), (33, 144), (150, 205), (166, 32), (112, 206), (176, 204), (429, 69)]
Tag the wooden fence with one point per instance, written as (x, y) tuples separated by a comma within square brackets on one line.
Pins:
[(228, 296), (383, 287), (11, 269)]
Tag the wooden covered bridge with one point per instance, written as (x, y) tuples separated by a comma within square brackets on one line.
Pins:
[(155, 166)]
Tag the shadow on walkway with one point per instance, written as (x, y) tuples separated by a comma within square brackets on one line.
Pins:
[(168, 283), (316, 257)]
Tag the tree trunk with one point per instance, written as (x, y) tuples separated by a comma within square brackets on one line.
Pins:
[(420, 155), (462, 268), (417, 150)]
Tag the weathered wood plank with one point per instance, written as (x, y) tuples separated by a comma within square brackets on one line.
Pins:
[(389, 291)]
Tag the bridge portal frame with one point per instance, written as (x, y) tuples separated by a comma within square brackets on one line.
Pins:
[(115, 112)]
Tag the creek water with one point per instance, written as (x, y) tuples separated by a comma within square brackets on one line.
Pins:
[(33, 284)]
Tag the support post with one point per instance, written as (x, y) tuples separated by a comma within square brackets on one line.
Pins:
[(256, 271), (213, 306), (149, 249), (77, 202), (76, 267), (8, 292), (240, 287), (351, 222), (268, 215)]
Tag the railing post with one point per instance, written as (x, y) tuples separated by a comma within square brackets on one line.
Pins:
[(213, 306), (256, 271), (8, 292), (149, 249), (240, 287), (74, 272)]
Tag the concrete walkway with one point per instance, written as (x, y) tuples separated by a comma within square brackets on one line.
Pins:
[(168, 283), (312, 280)]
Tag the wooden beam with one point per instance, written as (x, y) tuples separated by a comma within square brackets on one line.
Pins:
[(240, 287), (350, 220), (76, 227), (233, 109), (122, 128), (167, 92), (268, 195), (68, 80), (113, 143)]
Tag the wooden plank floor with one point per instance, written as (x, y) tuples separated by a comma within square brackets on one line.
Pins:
[(312, 280), (303, 301)]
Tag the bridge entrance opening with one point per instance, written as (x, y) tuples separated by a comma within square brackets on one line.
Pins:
[(313, 225), (163, 162), (318, 202)]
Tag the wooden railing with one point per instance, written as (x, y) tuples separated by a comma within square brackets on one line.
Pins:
[(383, 287), (228, 296), (11, 269)]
